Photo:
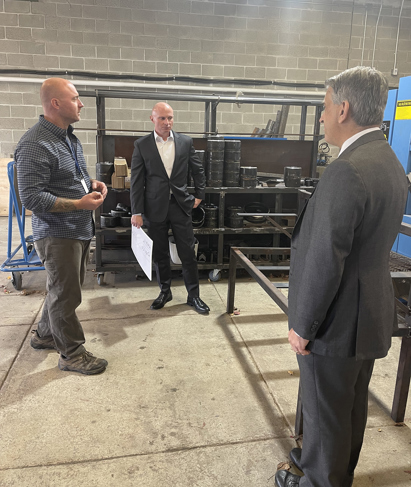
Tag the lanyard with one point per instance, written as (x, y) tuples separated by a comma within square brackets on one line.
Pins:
[(74, 156), (83, 182)]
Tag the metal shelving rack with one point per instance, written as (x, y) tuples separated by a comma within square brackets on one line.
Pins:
[(110, 255), (113, 252)]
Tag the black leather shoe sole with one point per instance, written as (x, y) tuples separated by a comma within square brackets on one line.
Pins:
[(199, 310)]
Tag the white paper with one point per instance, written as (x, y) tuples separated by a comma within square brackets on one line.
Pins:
[(142, 246)]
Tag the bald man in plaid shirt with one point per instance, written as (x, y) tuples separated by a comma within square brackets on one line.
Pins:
[(54, 184)]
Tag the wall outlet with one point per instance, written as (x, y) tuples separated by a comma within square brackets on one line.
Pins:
[(394, 72)]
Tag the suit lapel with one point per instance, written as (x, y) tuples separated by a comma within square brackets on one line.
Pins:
[(177, 150)]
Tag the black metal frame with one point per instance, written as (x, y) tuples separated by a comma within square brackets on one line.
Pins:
[(211, 103), (237, 258)]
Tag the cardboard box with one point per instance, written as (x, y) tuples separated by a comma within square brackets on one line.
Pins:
[(5, 189), (127, 179), (289, 221), (120, 167), (117, 182)]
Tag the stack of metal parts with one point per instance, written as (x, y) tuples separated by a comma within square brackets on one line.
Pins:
[(248, 177), (233, 219), (292, 176), (198, 217), (232, 161), (274, 128), (215, 162), (211, 215)]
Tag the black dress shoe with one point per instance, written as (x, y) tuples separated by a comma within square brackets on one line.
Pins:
[(283, 478), (162, 299), (295, 457), (198, 304)]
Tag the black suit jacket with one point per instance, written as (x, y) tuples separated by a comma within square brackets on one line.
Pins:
[(150, 185), (341, 296)]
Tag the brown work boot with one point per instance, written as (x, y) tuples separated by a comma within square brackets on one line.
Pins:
[(40, 343), (84, 363)]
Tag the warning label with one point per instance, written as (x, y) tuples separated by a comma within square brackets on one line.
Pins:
[(385, 127), (403, 110)]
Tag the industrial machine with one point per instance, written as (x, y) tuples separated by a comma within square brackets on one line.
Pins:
[(397, 129)]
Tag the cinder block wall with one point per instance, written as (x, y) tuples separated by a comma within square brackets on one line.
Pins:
[(283, 40)]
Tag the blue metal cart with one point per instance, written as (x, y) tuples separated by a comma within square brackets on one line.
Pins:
[(30, 260)]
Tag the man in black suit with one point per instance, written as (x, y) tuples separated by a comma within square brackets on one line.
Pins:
[(159, 169), (341, 300)]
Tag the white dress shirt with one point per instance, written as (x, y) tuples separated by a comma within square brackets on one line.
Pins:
[(356, 136), (166, 149)]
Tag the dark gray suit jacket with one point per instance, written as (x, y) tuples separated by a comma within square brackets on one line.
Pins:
[(150, 184), (341, 296)]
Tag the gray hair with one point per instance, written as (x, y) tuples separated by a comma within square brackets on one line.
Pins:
[(365, 89)]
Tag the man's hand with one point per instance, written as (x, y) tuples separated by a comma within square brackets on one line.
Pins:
[(90, 201), (137, 221), (297, 343), (99, 186), (197, 201)]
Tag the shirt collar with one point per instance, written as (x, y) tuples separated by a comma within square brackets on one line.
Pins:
[(356, 136), (156, 137), (59, 132)]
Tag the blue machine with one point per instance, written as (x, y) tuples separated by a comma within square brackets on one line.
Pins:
[(397, 129), (389, 115)]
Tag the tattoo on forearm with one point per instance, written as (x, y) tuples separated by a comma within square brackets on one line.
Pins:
[(63, 204)]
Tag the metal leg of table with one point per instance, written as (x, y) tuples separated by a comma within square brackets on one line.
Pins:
[(231, 282)]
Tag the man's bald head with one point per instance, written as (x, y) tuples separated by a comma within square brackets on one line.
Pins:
[(60, 100), (52, 88), (162, 116), (161, 106)]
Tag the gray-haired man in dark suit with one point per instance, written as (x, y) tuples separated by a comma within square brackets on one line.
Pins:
[(341, 300)]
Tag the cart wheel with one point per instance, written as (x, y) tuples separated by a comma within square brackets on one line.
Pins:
[(16, 280), (100, 278), (215, 275)]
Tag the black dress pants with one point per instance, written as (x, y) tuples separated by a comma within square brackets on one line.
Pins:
[(182, 227), (335, 405)]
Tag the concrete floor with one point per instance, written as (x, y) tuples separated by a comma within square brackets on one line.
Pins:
[(186, 400)]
